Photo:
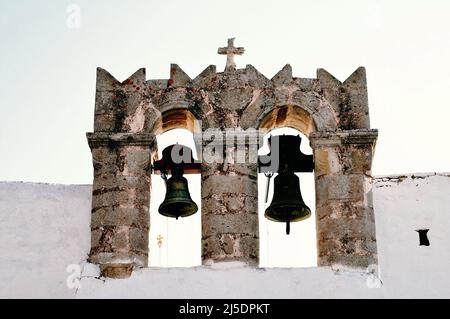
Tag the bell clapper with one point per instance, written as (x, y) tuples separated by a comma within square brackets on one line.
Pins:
[(288, 227), (269, 176)]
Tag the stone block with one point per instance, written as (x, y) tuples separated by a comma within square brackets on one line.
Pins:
[(223, 184), (328, 228), (96, 235), (121, 216), (249, 248), (139, 240), (214, 224), (120, 241), (117, 271), (211, 248), (351, 252), (340, 187), (228, 243)]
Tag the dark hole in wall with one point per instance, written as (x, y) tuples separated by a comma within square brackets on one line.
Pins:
[(423, 237)]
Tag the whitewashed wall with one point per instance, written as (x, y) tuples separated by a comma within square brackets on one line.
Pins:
[(44, 228)]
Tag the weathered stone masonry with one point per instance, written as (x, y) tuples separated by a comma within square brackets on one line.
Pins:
[(129, 114), (229, 199)]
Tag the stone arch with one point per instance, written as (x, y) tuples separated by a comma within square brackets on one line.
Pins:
[(305, 119), (176, 118), (288, 116)]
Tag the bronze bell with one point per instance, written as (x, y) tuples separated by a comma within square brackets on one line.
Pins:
[(287, 202), (178, 201)]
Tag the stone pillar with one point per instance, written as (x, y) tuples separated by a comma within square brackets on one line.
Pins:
[(230, 201), (120, 201), (345, 218)]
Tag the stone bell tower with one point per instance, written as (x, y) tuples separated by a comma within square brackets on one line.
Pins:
[(129, 114)]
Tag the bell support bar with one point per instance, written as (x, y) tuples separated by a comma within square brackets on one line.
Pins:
[(290, 155), (166, 163)]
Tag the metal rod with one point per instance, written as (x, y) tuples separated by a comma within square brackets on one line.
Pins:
[(268, 175)]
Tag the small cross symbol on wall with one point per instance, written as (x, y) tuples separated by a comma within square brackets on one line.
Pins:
[(160, 240), (230, 51)]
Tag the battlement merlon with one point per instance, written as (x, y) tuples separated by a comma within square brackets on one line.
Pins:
[(250, 75)]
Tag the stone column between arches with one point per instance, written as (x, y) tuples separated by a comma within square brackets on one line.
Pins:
[(345, 217), (120, 217), (230, 199)]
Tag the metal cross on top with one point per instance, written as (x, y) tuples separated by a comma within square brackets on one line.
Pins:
[(230, 51)]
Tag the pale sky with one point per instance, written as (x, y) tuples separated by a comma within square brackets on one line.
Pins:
[(48, 70), (47, 83)]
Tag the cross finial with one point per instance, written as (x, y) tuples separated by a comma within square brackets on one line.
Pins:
[(230, 51)]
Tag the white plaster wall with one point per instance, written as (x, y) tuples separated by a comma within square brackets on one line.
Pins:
[(402, 206), (43, 228)]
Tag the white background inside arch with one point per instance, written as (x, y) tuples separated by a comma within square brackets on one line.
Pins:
[(181, 243), (298, 249)]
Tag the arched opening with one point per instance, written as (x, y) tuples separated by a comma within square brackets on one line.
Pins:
[(289, 116), (298, 249), (175, 242), (177, 119)]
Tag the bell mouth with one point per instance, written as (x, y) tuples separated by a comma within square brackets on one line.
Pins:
[(287, 213), (178, 209)]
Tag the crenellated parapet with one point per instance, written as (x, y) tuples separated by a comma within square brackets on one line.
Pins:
[(240, 98)]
